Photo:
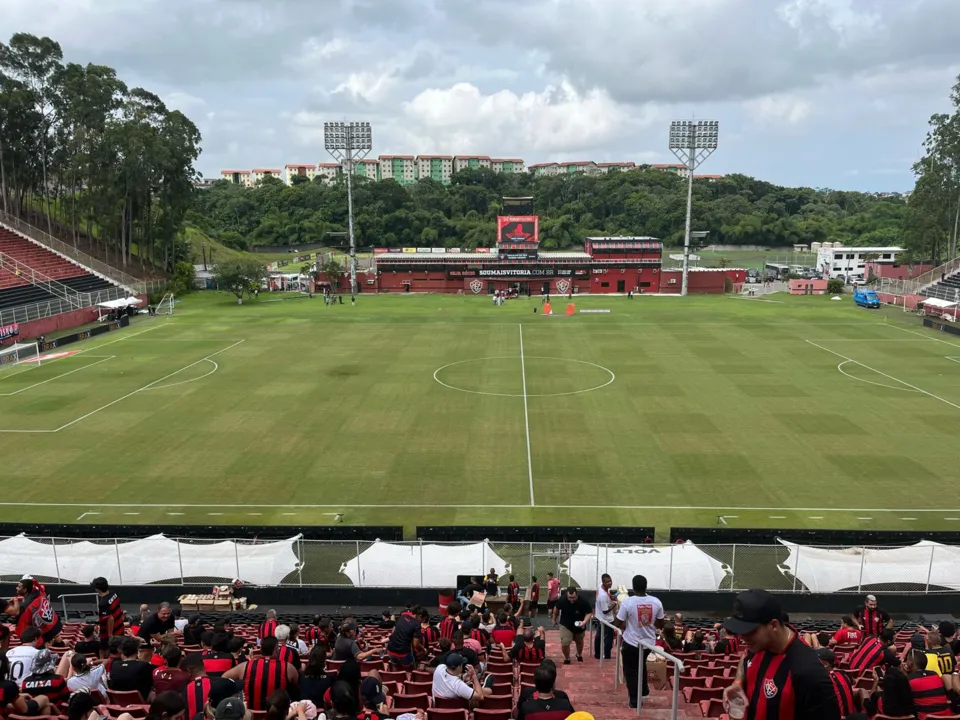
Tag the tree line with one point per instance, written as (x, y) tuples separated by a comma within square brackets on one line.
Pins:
[(89, 159), (736, 210)]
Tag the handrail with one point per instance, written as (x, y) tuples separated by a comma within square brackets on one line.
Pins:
[(63, 600), (98, 267), (654, 650), (678, 669), (22, 270)]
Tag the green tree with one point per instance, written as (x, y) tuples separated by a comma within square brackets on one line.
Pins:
[(240, 276), (835, 286), (183, 276), (332, 271)]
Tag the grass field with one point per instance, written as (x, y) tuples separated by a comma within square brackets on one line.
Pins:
[(798, 412)]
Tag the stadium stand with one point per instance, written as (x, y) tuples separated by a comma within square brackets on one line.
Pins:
[(17, 290), (946, 289), (589, 686)]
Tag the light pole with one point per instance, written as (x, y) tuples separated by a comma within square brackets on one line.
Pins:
[(347, 142), (692, 141)]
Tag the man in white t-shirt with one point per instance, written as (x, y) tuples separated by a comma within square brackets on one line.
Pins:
[(21, 658), (640, 616), (456, 679), (606, 609)]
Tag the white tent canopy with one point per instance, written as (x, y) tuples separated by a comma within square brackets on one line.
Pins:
[(829, 570), (666, 567), (149, 560), (386, 564), (120, 303), (938, 303)]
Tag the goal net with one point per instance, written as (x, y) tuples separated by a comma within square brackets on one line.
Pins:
[(165, 306), (19, 354)]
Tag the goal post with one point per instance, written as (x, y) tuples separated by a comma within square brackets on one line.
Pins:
[(24, 353), (165, 306)]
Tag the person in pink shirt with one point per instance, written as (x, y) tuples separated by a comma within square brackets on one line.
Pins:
[(553, 592)]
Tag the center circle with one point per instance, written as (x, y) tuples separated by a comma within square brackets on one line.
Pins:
[(504, 376)]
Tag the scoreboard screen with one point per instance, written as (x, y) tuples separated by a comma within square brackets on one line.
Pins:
[(518, 228)]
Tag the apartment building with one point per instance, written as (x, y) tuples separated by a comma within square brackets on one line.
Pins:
[(237, 177), (436, 167), (587, 167), (677, 168), (470, 162), (258, 174), (402, 168), (708, 178), (545, 169), (507, 165), (328, 171), (303, 170), (606, 167), (368, 168)]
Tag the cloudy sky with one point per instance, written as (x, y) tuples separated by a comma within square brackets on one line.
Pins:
[(826, 93)]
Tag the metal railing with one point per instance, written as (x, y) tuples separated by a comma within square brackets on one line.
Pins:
[(63, 601), (641, 666), (35, 277), (922, 283), (57, 306), (108, 272)]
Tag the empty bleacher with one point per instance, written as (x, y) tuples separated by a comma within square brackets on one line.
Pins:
[(17, 290), (946, 289)]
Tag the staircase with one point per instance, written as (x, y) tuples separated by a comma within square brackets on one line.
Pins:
[(90, 264), (591, 688)]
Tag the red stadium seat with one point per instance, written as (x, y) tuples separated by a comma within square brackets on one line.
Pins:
[(417, 688), (696, 694), (451, 703), (421, 701), (446, 714), (712, 708), (125, 697), (497, 702), (393, 676), (421, 676), (484, 714)]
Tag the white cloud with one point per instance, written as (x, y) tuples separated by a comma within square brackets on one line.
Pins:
[(781, 109)]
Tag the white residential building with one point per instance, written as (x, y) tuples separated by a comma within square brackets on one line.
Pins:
[(474, 162), (606, 167), (545, 169), (329, 171), (436, 167), (849, 263), (303, 170), (237, 177), (368, 168), (402, 168), (258, 174), (507, 165)]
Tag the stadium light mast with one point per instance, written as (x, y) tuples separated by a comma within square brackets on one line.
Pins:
[(692, 141), (347, 142)]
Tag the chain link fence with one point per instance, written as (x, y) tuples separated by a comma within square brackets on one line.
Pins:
[(778, 568)]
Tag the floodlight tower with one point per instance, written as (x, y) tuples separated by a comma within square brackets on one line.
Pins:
[(347, 142), (692, 141)]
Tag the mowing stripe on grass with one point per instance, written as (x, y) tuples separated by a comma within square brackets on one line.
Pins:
[(307, 506), (889, 377), (55, 377), (526, 415), (145, 387)]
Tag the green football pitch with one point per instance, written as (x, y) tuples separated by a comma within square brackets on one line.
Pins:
[(793, 412)]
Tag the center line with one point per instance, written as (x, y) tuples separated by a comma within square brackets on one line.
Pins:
[(526, 416)]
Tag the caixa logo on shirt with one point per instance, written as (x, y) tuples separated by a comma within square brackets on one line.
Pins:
[(769, 688), (636, 551)]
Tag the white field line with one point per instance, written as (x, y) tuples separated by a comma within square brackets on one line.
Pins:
[(526, 416), (690, 508), (146, 387), (754, 299), (925, 337), (870, 382), (191, 380), (55, 377), (889, 377)]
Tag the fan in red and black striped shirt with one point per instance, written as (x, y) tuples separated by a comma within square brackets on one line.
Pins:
[(872, 619), (110, 614), (429, 635), (870, 653), (842, 686), (513, 592), (198, 688), (313, 634), (729, 644), (268, 628), (263, 676), (926, 686), (529, 647), (450, 624), (782, 679)]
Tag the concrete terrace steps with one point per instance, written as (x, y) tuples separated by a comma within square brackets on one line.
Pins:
[(591, 688)]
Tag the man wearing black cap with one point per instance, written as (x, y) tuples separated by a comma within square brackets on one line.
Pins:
[(842, 687), (373, 698), (456, 679), (781, 678), (346, 645)]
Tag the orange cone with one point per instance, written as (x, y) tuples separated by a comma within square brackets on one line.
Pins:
[(547, 310), (570, 309)]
